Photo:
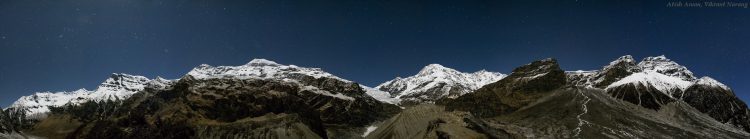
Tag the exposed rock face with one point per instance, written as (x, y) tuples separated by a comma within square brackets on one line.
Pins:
[(645, 95), (718, 101), (435, 82), (525, 85)]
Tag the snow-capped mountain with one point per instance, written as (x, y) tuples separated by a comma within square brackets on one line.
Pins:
[(117, 86), (658, 72), (537, 100), (122, 86), (625, 66), (658, 81), (434, 82)]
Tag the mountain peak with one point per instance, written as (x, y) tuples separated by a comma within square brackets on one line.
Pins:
[(666, 66), (539, 66), (625, 58), (120, 78), (433, 69), (262, 62)]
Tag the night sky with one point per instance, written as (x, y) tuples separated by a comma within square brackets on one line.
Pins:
[(64, 45)]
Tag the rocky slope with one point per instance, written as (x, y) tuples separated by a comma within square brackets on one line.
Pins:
[(435, 82), (426, 121)]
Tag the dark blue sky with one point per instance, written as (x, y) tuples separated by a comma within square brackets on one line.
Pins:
[(63, 45)]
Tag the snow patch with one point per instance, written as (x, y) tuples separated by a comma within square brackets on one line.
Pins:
[(369, 130), (380, 95), (326, 93)]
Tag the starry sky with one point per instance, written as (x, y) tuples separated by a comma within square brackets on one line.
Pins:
[(64, 45)]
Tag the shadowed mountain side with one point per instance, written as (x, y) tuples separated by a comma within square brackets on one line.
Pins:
[(526, 84)]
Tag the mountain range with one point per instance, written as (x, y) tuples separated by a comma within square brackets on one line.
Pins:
[(653, 98)]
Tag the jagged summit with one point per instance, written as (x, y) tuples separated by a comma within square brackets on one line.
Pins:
[(436, 69), (666, 66), (625, 58), (627, 62), (434, 82), (543, 74), (544, 64), (119, 85)]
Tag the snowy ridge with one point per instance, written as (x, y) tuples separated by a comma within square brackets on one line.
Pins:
[(448, 82), (118, 86), (711, 82), (258, 69), (39, 102), (663, 83), (267, 69)]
